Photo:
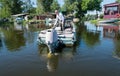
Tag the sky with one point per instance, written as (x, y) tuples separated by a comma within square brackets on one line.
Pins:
[(107, 1)]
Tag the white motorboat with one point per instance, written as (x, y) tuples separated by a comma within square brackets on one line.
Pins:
[(54, 38)]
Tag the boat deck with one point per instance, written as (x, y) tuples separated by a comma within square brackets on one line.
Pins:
[(68, 36)]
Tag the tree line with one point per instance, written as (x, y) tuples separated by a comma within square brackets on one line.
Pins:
[(11, 7), (80, 7)]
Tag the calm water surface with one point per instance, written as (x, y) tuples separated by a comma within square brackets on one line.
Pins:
[(96, 53)]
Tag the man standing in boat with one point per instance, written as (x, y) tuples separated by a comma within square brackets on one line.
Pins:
[(59, 19)]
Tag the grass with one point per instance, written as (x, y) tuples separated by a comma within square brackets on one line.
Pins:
[(95, 21)]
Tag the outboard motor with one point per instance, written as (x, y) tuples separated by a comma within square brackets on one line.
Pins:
[(51, 39)]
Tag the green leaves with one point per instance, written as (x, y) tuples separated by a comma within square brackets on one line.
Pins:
[(82, 6), (44, 6), (9, 7), (55, 5), (118, 0), (40, 8)]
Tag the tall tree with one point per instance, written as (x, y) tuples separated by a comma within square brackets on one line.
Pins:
[(43, 6), (46, 4), (5, 8), (9, 7), (16, 5), (91, 5), (40, 8), (55, 5), (94, 5), (82, 6), (28, 6), (67, 5)]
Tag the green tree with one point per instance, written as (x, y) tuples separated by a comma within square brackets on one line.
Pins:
[(94, 5), (55, 5), (46, 4), (82, 6), (40, 8), (16, 5), (90, 5), (11, 35), (43, 6), (5, 9), (9, 7), (68, 5), (28, 6)]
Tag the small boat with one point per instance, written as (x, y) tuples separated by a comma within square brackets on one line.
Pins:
[(54, 38), (109, 21)]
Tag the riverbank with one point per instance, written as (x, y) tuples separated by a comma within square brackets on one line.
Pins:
[(96, 21)]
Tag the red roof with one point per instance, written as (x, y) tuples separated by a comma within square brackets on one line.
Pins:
[(112, 4)]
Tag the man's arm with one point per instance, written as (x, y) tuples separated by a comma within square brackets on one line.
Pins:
[(55, 23)]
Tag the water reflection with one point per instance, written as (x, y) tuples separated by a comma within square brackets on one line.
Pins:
[(117, 45), (18, 35), (18, 26), (89, 33), (37, 61), (52, 62), (53, 59), (110, 31), (13, 38), (0, 42), (43, 50), (117, 49), (91, 38), (79, 30)]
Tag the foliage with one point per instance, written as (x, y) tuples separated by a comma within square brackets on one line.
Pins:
[(16, 5), (9, 7), (68, 5), (55, 6), (43, 6), (32, 10), (46, 4), (4, 9), (40, 8), (28, 6), (94, 21), (94, 5), (81, 6)]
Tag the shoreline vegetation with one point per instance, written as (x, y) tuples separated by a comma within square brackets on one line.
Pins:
[(96, 21), (76, 7)]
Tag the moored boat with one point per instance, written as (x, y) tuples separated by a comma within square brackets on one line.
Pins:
[(54, 38)]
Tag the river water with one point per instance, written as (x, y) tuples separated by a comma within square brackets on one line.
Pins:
[(96, 53)]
